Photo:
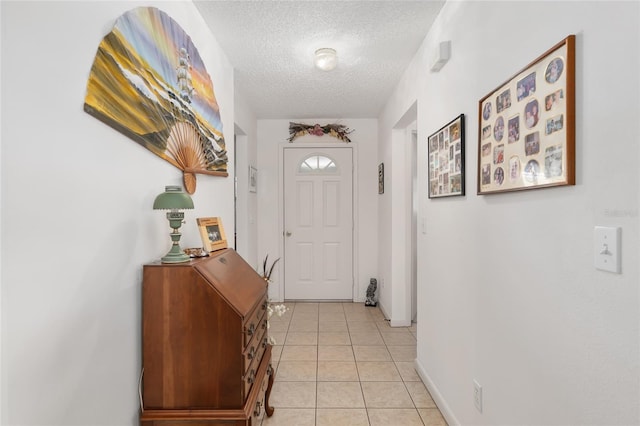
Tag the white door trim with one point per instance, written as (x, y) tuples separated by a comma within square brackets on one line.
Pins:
[(357, 297)]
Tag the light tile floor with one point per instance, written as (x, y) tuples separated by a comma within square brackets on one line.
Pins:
[(341, 364)]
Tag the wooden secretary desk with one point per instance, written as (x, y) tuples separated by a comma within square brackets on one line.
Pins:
[(205, 353)]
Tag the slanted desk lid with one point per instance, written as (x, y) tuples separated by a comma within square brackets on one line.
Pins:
[(234, 279)]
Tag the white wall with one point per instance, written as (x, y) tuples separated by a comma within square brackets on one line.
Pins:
[(247, 202), (1, 188), (272, 136), (508, 294), (77, 216)]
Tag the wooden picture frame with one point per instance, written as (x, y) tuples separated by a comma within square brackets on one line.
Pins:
[(526, 127), (212, 233), (446, 160), (381, 178)]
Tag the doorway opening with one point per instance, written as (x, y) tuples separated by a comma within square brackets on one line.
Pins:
[(414, 223), (404, 211)]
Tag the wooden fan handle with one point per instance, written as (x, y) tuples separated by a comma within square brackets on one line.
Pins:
[(189, 180)]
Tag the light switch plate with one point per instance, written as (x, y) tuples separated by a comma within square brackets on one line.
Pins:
[(607, 248)]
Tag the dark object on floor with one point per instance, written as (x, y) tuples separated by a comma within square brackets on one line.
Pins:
[(371, 293)]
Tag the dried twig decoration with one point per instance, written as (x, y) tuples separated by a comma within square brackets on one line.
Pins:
[(267, 275)]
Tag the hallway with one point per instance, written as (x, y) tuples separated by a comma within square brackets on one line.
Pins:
[(342, 364)]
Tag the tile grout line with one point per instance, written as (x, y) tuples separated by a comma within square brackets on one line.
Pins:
[(355, 317)]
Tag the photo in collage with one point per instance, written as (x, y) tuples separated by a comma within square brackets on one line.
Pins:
[(446, 160), (526, 126)]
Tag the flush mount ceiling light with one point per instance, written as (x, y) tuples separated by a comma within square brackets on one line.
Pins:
[(326, 59)]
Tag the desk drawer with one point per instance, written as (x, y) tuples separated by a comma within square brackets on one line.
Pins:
[(257, 371), (255, 350), (252, 324), (250, 377), (259, 409)]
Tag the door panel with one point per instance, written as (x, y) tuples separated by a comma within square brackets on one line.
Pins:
[(318, 220), (304, 212), (331, 204)]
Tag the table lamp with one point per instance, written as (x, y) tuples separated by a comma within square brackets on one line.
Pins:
[(173, 199)]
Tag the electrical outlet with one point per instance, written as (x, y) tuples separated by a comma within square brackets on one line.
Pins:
[(477, 395)]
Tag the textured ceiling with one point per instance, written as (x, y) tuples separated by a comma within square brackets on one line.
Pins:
[(271, 44)]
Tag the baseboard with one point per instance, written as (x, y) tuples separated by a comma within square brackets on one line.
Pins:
[(382, 308), (393, 322), (400, 323), (437, 396)]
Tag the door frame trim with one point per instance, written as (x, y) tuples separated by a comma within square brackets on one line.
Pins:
[(355, 273)]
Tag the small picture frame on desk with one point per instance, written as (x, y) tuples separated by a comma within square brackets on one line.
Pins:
[(212, 233)]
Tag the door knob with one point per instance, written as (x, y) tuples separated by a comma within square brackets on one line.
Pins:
[(288, 234)]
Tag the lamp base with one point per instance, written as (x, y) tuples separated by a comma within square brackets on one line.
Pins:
[(175, 255), (175, 258)]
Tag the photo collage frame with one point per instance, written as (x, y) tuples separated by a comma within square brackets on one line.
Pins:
[(446, 160), (526, 132)]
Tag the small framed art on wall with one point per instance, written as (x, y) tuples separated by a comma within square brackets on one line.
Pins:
[(253, 179)]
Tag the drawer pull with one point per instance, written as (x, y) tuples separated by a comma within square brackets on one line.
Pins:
[(258, 409), (252, 352), (269, 370), (264, 342), (264, 324), (252, 377), (264, 305), (251, 330)]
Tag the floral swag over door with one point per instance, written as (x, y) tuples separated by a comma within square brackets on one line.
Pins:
[(339, 131)]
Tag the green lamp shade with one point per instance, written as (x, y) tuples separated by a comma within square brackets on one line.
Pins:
[(173, 198)]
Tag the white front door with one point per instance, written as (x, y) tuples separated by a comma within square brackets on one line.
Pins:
[(318, 224)]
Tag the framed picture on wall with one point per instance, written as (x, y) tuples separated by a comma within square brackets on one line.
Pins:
[(526, 126), (445, 150), (212, 233)]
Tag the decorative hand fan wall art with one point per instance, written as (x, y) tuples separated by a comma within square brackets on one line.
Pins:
[(149, 82)]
